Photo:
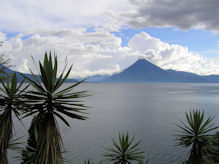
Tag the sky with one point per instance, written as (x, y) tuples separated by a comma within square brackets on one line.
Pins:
[(105, 37)]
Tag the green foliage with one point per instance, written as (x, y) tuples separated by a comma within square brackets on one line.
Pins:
[(213, 148), (125, 151), (195, 133), (49, 101), (29, 154), (5, 135), (10, 102)]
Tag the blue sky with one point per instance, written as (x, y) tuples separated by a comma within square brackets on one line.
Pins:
[(106, 37), (196, 40)]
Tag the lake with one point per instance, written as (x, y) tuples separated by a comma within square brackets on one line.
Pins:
[(148, 111)]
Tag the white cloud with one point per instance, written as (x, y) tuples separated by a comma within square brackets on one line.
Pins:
[(30, 15), (100, 52), (171, 56), (61, 27), (2, 37), (91, 53)]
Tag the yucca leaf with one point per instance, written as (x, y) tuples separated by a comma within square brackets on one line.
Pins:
[(30, 114), (7, 82), (70, 87), (62, 118), (23, 90), (72, 115), (34, 77), (19, 86), (14, 83), (62, 80), (6, 88), (44, 77), (195, 134), (13, 103), (34, 84), (48, 71), (55, 70)]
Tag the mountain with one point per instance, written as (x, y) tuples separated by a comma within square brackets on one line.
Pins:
[(96, 78), (20, 77), (144, 71)]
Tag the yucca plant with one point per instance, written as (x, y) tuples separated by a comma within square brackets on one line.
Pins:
[(124, 151), (10, 103), (213, 149), (49, 101), (29, 154), (195, 133)]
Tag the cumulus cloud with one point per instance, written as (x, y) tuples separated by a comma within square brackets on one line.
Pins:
[(62, 27), (100, 52), (171, 56), (2, 37), (184, 14)]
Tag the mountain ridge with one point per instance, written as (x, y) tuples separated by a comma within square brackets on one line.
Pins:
[(144, 71), (20, 77)]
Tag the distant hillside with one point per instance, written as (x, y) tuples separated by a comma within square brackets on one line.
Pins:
[(20, 77), (144, 71), (96, 78)]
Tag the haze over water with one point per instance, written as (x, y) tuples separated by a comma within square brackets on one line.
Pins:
[(148, 111)]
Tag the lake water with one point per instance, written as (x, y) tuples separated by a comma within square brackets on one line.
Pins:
[(148, 111)]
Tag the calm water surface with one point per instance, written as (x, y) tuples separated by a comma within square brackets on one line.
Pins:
[(148, 111)]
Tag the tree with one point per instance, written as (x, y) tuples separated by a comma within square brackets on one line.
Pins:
[(10, 103), (125, 151), (49, 101), (195, 133)]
